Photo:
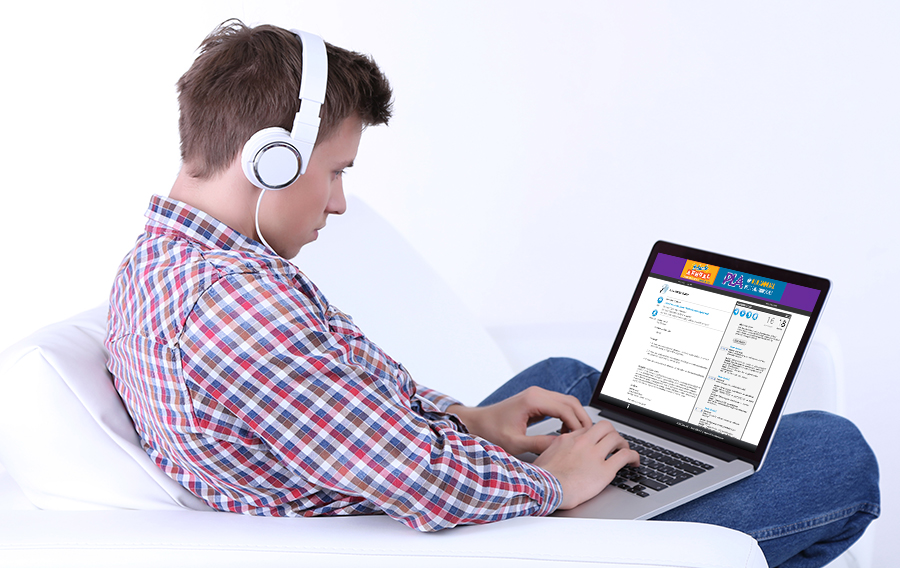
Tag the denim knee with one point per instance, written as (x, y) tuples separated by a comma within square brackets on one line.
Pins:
[(838, 445), (573, 377), (569, 366), (560, 374)]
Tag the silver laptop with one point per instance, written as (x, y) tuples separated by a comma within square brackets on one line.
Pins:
[(698, 375)]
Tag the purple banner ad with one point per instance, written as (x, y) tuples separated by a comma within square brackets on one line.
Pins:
[(783, 293)]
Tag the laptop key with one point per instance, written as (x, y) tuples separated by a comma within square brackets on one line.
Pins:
[(679, 477), (668, 480), (691, 469), (652, 484)]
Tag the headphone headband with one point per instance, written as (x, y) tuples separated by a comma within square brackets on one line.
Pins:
[(312, 89), (273, 158)]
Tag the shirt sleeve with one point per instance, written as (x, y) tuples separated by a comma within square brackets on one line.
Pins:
[(344, 416), (440, 400)]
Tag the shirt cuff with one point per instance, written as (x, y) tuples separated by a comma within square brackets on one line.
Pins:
[(553, 494), (438, 399)]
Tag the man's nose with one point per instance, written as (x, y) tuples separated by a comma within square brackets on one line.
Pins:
[(338, 203)]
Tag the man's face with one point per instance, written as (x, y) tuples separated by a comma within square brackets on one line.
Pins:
[(293, 216)]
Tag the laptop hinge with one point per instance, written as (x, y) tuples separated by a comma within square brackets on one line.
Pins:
[(668, 435)]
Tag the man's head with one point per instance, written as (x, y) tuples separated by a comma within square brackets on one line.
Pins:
[(246, 79)]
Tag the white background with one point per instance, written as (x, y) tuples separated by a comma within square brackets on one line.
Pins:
[(538, 150)]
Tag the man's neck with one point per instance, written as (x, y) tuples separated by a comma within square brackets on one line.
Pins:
[(228, 197)]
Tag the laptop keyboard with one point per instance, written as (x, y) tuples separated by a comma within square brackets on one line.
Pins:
[(659, 468)]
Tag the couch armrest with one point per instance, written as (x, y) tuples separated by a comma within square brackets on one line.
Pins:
[(193, 538)]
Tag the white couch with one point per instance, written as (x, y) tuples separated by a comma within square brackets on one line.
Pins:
[(78, 490)]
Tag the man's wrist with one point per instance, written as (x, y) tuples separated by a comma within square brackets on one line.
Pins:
[(467, 415)]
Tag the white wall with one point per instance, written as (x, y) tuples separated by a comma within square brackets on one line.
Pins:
[(536, 153)]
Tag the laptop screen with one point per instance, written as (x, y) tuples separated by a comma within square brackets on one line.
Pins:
[(710, 344)]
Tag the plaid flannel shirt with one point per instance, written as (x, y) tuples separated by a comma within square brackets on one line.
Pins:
[(253, 392)]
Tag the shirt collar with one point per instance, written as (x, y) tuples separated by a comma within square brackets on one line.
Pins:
[(171, 216)]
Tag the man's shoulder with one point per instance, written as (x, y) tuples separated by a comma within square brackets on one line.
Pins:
[(173, 253), (165, 275)]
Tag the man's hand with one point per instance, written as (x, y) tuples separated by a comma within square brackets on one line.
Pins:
[(586, 460), (505, 423)]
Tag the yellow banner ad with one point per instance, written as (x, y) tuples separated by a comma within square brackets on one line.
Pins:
[(700, 272)]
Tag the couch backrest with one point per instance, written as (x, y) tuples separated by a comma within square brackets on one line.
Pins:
[(65, 436), (366, 268)]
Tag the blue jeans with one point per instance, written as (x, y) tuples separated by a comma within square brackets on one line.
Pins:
[(814, 496)]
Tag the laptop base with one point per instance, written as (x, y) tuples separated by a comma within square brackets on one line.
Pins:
[(616, 503)]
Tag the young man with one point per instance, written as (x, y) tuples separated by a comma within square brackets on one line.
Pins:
[(260, 397), (254, 392)]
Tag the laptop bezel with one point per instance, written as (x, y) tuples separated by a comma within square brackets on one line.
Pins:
[(683, 435)]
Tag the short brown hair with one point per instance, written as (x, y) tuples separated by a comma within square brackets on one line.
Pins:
[(246, 79)]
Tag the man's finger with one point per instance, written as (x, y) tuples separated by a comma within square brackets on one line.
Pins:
[(569, 410), (536, 444)]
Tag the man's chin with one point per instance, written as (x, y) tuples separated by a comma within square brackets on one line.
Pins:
[(295, 251)]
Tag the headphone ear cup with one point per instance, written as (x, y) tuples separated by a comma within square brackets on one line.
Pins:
[(271, 159)]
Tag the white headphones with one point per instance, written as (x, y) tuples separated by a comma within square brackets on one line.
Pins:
[(274, 158)]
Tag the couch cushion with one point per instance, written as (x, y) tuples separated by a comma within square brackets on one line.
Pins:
[(65, 436), (188, 538)]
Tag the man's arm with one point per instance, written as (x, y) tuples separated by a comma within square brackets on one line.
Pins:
[(337, 411)]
